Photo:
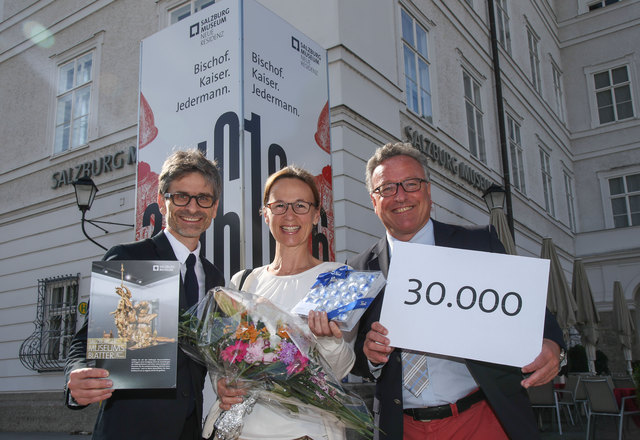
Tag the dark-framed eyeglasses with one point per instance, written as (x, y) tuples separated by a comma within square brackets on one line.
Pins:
[(299, 207), (182, 199), (391, 189)]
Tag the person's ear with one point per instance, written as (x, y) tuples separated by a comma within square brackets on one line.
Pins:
[(162, 204)]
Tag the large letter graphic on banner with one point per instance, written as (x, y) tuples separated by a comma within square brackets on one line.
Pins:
[(253, 127), (320, 239), (230, 219), (153, 211), (275, 152)]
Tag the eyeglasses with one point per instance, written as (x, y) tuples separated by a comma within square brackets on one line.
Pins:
[(182, 199), (299, 207), (391, 189)]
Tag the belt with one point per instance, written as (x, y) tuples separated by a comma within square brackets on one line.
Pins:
[(444, 411)]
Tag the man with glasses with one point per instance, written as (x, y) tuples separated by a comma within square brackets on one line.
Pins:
[(189, 188), (458, 398)]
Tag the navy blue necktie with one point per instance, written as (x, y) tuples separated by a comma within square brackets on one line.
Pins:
[(191, 281)]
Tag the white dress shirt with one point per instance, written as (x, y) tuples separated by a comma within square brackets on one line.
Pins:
[(182, 253), (449, 377)]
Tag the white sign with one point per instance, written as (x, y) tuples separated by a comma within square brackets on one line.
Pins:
[(468, 304), (240, 83)]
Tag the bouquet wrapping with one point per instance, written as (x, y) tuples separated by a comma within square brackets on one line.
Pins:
[(272, 353)]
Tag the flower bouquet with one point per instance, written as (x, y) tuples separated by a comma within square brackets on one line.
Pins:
[(272, 352)]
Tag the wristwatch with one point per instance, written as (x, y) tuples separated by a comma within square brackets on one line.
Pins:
[(562, 358)]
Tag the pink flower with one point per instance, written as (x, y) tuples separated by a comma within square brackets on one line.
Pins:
[(255, 352), (235, 353), (299, 363)]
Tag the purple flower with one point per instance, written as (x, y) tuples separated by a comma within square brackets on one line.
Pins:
[(287, 352)]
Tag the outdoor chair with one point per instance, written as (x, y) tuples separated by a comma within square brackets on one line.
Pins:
[(580, 395), (544, 396), (623, 381), (602, 402), (566, 396)]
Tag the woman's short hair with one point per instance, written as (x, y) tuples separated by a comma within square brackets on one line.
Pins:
[(292, 172)]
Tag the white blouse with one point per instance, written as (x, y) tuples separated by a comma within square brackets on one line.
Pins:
[(267, 422)]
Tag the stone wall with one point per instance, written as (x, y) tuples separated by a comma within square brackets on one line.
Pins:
[(43, 412)]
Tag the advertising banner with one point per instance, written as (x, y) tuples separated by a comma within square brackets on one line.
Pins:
[(249, 90)]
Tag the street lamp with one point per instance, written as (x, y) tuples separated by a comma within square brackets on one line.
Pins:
[(85, 194), (494, 196)]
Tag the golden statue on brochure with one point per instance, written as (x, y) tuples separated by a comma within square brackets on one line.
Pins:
[(134, 320)]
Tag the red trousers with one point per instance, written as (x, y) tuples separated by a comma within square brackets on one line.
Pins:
[(478, 423)]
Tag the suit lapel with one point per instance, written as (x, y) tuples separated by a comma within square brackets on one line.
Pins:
[(382, 253), (165, 252), (441, 233), (163, 247)]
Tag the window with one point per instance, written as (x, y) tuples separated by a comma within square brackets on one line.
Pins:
[(184, 10), (601, 4), (534, 60), (516, 155), (568, 189), (625, 200), (559, 94), (73, 103), (416, 67), (502, 22), (47, 348), (473, 107), (613, 94), (547, 187)]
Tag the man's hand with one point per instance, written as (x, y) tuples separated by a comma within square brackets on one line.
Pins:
[(229, 395), (87, 385), (376, 345), (545, 367), (320, 325)]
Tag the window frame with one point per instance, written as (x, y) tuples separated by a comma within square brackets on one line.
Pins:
[(590, 73), (470, 104), (418, 57), (514, 145), (56, 321), (604, 178), (503, 29), (594, 6), (533, 43), (625, 195), (547, 180), (94, 46), (570, 200), (168, 7), (558, 92)]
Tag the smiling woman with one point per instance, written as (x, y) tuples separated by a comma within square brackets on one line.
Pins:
[(291, 209)]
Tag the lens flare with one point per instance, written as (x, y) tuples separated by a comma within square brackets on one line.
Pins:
[(38, 34)]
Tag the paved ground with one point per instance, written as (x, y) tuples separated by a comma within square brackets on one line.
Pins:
[(41, 436), (606, 429)]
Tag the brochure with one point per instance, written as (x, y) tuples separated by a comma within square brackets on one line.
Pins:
[(133, 322)]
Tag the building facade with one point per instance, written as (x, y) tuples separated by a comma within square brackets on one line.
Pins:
[(420, 71)]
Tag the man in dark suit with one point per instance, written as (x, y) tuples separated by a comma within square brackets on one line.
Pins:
[(463, 398), (188, 194)]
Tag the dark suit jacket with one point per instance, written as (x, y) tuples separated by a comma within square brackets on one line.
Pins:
[(148, 414), (500, 383)]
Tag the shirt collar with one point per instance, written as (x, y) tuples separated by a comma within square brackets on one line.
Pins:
[(181, 251), (424, 236)]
